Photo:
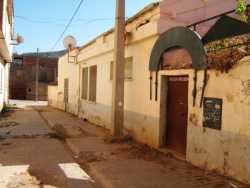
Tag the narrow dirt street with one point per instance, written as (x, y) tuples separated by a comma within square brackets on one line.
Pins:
[(45, 147), (32, 156)]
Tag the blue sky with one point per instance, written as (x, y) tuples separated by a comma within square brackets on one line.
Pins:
[(41, 22)]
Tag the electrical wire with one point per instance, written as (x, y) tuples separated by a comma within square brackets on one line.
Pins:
[(81, 20), (68, 25), (38, 21)]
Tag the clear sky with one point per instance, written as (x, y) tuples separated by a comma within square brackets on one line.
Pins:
[(41, 22)]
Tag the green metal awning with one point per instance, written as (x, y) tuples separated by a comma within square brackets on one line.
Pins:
[(226, 27), (179, 37)]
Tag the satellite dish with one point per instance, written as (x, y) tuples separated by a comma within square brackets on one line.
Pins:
[(69, 42), (19, 39)]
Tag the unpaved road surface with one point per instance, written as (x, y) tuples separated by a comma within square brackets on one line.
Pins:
[(30, 156), (43, 147)]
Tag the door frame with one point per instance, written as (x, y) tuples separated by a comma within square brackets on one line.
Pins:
[(163, 107)]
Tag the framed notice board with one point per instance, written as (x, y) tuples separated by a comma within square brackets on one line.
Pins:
[(212, 113)]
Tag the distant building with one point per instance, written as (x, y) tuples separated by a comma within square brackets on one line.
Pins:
[(23, 75)]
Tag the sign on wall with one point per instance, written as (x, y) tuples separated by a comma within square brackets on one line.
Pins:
[(212, 113)]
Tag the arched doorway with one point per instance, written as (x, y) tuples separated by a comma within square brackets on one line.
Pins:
[(182, 48)]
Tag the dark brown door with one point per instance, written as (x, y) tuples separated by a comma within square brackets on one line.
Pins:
[(177, 114), (66, 93)]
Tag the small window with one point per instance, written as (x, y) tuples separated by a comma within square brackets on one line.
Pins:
[(89, 80), (128, 69), (92, 83), (85, 83), (66, 90)]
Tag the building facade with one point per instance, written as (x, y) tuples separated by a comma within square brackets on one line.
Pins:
[(23, 75), (6, 35), (161, 108)]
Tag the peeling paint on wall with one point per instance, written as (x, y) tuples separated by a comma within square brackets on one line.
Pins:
[(246, 87), (230, 97), (193, 118)]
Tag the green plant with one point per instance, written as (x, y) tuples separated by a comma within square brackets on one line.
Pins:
[(8, 107), (241, 9)]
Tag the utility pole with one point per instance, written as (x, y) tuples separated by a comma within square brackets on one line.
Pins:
[(37, 73), (118, 71)]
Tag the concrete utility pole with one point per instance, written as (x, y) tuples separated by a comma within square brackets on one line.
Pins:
[(118, 71), (37, 73)]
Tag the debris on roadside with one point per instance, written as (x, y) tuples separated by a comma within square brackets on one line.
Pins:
[(128, 139), (90, 157), (233, 185), (23, 180), (61, 133), (4, 124), (26, 180), (142, 151), (55, 135), (6, 143), (67, 131)]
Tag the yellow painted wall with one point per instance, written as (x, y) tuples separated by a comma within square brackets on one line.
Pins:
[(70, 71), (52, 95), (227, 150), (140, 111), (141, 117)]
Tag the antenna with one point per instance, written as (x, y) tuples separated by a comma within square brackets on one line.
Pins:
[(69, 43)]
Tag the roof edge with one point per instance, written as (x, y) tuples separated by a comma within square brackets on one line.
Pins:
[(129, 20)]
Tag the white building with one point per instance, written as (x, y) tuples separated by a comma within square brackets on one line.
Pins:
[(6, 34)]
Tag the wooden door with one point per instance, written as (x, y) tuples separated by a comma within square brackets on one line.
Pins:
[(177, 114), (66, 91)]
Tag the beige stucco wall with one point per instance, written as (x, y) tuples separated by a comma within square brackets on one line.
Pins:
[(141, 117), (53, 95), (227, 150), (70, 71)]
